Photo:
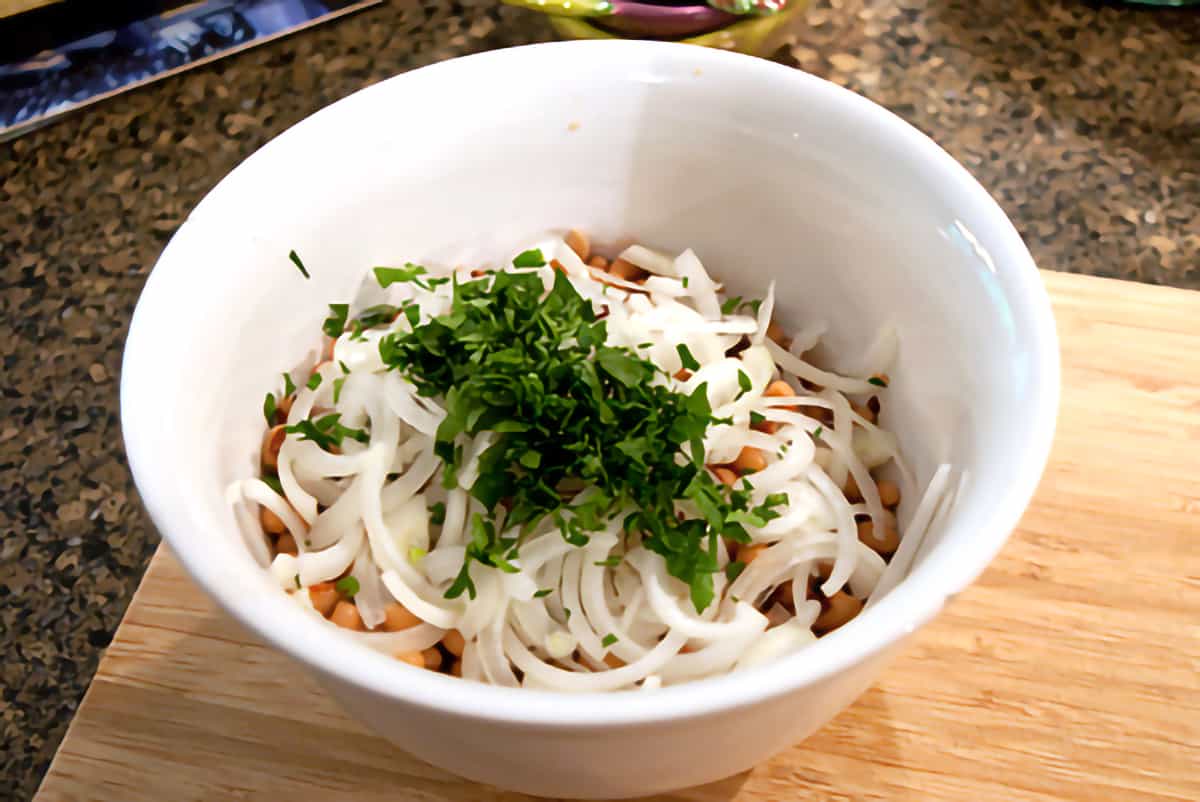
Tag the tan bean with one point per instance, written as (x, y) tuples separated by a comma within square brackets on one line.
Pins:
[(433, 658), (284, 406), (853, 494), (272, 441), (725, 476), (272, 524), (683, 374), (598, 262), (626, 270), (345, 615), (839, 609), (612, 661), (454, 642), (579, 242), (749, 460), (324, 597), (863, 412), (557, 265), (885, 546), (783, 596), (397, 617), (286, 544), (415, 659), (889, 492), (456, 668), (778, 335), (748, 552), (779, 389)]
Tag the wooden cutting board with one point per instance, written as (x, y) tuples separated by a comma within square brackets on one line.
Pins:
[(1069, 671)]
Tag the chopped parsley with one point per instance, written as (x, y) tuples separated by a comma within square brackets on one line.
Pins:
[(543, 593), (387, 276), (337, 388), (416, 554), (817, 432), (297, 580), (531, 258), (314, 381), (269, 409), (342, 365), (685, 357), (295, 257), (533, 368), (744, 383), (327, 431), (437, 514), (757, 418), (608, 640), (734, 569), (347, 586), (684, 282), (730, 305), (610, 562), (878, 381), (335, 324), (289, 386), (272, 481)]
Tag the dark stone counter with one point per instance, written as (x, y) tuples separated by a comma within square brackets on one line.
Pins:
[(1083, 120)]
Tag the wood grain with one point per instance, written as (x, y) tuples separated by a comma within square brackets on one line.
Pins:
[(1069, 671)]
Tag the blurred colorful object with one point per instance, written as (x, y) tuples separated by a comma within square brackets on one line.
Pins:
[(749, 26)]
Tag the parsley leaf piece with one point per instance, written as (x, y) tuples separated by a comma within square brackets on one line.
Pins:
[(335, 324), (685, 356), (877, 381), (299, 265), (269, 409), (347, 586), (608, 640), (314, 381), (543, 593), (530, 258)]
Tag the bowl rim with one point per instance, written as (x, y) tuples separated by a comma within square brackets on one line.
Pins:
[(915, 602)]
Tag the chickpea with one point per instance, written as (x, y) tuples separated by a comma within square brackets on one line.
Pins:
[(272, 524), (598, 262), (454, 642), (748, 552), (415, 659), (885, 545), (284, 406), (778, 335), (397, 617), (626, 270), (725, 476), (779, 389), (432, 658), (853, 494), (345, 615), (272, 442), (863, 412), (889, 492), (749, 460), (324, 597), (836, 612), (579, 242), (286, 544), (612, 661)]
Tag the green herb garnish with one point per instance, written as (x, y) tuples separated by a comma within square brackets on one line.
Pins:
[(299, 265), (734, 569), (817, 432), (685, 356), (684, 282), (608, 640), (744, 383), (337, 388), (416, 554), (297, 579), (347, 586), (335, 324), (543, 593), (272, 481), (756, 418), (289, 386), (437, 514), (531, 258), (387, 276), (269, 409), (314, 381), (877, 381), (567, 409), (609, 562), (326, 431), (730, 305)]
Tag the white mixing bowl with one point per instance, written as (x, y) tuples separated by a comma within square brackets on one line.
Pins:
[(767, 173)]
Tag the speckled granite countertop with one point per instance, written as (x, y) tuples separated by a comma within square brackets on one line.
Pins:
[(1082, 119)]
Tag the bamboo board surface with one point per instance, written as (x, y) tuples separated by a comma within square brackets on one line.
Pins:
[(1069, 671)]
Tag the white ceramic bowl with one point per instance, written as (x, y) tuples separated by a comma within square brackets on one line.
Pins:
[(767, 173)]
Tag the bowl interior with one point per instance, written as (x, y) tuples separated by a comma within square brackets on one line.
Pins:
[(767, 173)]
